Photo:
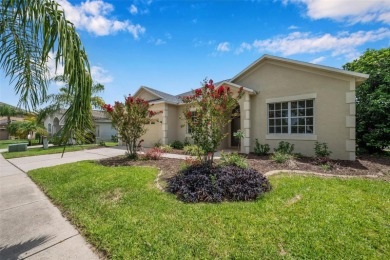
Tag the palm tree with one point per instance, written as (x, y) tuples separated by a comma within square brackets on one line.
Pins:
[(63, 100), (30, 30)]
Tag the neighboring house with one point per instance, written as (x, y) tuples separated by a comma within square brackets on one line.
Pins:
[(4, 121), (103, 127), (283, 99), (3, 126)]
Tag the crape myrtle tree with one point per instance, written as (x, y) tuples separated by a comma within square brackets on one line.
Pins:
[(30, 31), (373, 100), (129, 119), (208, 112)]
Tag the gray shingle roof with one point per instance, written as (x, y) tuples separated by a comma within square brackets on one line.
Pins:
[(164, 96), (171, 98)]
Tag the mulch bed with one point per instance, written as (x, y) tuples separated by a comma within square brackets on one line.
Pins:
[(364, 165)]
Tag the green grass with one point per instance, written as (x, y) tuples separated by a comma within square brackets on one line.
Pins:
[(122, 213), (4, 143), (111, 144), (50, 150)]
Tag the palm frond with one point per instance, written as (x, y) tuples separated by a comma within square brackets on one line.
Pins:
[(29, 31)]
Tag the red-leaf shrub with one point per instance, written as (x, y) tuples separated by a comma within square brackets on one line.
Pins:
[(153, 154), (202, 183)]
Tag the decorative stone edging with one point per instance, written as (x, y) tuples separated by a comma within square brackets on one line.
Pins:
[(157, 181), (275, 172), (297, 172)]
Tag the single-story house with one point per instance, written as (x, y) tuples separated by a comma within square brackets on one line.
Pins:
[(284, 100), (103, 126)]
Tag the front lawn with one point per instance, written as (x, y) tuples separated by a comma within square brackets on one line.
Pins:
[(123, 214), (50, 150)]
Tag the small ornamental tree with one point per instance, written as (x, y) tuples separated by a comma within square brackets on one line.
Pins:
[(129, 119), (208, 112)]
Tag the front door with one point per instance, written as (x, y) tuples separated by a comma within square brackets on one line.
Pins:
[(235, 126)]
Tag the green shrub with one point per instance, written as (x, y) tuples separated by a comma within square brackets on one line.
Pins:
[(284, 148), (186, 142), (321, 150), (281, 157), (233, 159), (177, 145), (166, 148), (102, 143), (114, 138), (158, 144), (193, 150), (261, 149)]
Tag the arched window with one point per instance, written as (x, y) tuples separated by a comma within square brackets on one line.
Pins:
[(49, 128)]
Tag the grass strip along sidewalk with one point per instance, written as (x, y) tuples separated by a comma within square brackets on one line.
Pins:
[(123, 214)]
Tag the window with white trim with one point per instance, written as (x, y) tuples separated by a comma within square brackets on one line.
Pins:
[(193, 118), (293, 117)]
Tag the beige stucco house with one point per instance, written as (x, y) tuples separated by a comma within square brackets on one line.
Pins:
[(284, 99)]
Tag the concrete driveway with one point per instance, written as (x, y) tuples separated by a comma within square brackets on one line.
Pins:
[(30, 225)]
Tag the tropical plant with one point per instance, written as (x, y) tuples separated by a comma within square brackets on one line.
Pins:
[(233, 159), (32, 30), (321, 150), (177, 145), (129, 119), (212, 108), (284, 148), (373, 100), (22, 129), (239, 135), (261, 149), (63, 99), (166, 149), (280, 157)]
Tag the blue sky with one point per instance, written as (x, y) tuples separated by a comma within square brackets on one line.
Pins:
[(173, 45)]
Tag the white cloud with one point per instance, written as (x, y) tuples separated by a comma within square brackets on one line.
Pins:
[(318, 60), (344, 43), (243, 47), (223, 47), (133, 9), (100, 75), (157, 41), (94, 17), (293, 27), (200, 43), (51, 65), (352, 11)]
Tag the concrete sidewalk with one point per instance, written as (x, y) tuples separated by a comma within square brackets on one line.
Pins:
[(34, 162), (30, 225)]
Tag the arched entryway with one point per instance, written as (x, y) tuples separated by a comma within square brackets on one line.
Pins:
[(235, 125)]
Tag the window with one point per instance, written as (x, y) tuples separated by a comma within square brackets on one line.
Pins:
[(49, 128), (294, 117), (193, 118)]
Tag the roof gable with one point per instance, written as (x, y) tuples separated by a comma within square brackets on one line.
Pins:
[(359, 77)]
